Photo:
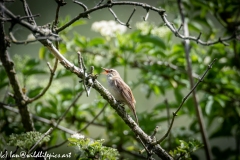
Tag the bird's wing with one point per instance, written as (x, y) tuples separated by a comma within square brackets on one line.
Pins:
[(125, 91)]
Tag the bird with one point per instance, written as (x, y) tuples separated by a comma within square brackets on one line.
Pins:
[(120, 90)]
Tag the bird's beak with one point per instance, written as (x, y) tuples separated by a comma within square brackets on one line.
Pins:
[(106, 71)]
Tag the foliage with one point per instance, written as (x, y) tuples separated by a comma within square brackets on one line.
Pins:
[(184, 150), (92, 149), (26, 140)]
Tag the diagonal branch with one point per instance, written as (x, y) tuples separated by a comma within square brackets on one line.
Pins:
[(52, 71), (85, 127), (69, 107), (40, 119), (44, 135), (183, 101), (198, 109), (110, 99)]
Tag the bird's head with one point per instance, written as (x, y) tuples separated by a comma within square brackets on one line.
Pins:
[(110, 72)]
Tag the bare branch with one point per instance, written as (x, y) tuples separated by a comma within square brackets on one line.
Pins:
[(198, 110), (108, 5), (146, 17), (99, 3), (183, 101), (35, 29), (68, 109), (155, 132), (52, 71), (83, 67), (40, 119), (85, 127), (127, 24), (115, 16), (81, 4), (194, 38), (28, 13), (147, 7)]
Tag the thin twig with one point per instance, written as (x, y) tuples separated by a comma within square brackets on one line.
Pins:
[(80, 60), (28, 13), (127, 24), (35, 29), (99, 3), (145, 148), (40, 119), (56, 146), (168, 120), (135, 155), (56, 17), (146, 17), (183, 101), (83, 68), (115, 16), (52, 71), (84, 7), (41, 138), (32, 16), (155, 132), (85, 127), (69, 107), (81, 4), (197, 107), (179, 28)]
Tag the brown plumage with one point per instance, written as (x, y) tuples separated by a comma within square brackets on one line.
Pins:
[(120, 90)]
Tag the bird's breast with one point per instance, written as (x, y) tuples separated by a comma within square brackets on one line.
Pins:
[(114, 90)]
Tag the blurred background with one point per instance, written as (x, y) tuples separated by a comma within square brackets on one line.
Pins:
[(152, 62)]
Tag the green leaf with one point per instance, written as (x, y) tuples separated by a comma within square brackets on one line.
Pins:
[(96, 42), (178, 95), (78, 23), (156, 41), (209, 104), (42, 53), (35, 91)]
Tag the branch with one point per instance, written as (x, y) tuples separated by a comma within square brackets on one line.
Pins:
[(196, 39), (183, 101), (168, 117), (44, 135), (89, 123), (8, 65), (40, 119), (115, 16), (161, 12), (189, 69), (28, 13), (108, 5), (81, 4), (99, 3), (41, 33), (85, 127), (52, 71), (69, 107), (107, 96)]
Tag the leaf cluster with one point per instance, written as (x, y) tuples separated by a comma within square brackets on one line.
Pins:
[(26, 140), (92, 149)]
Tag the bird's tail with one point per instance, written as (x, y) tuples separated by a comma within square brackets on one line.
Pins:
[(132, 107)]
